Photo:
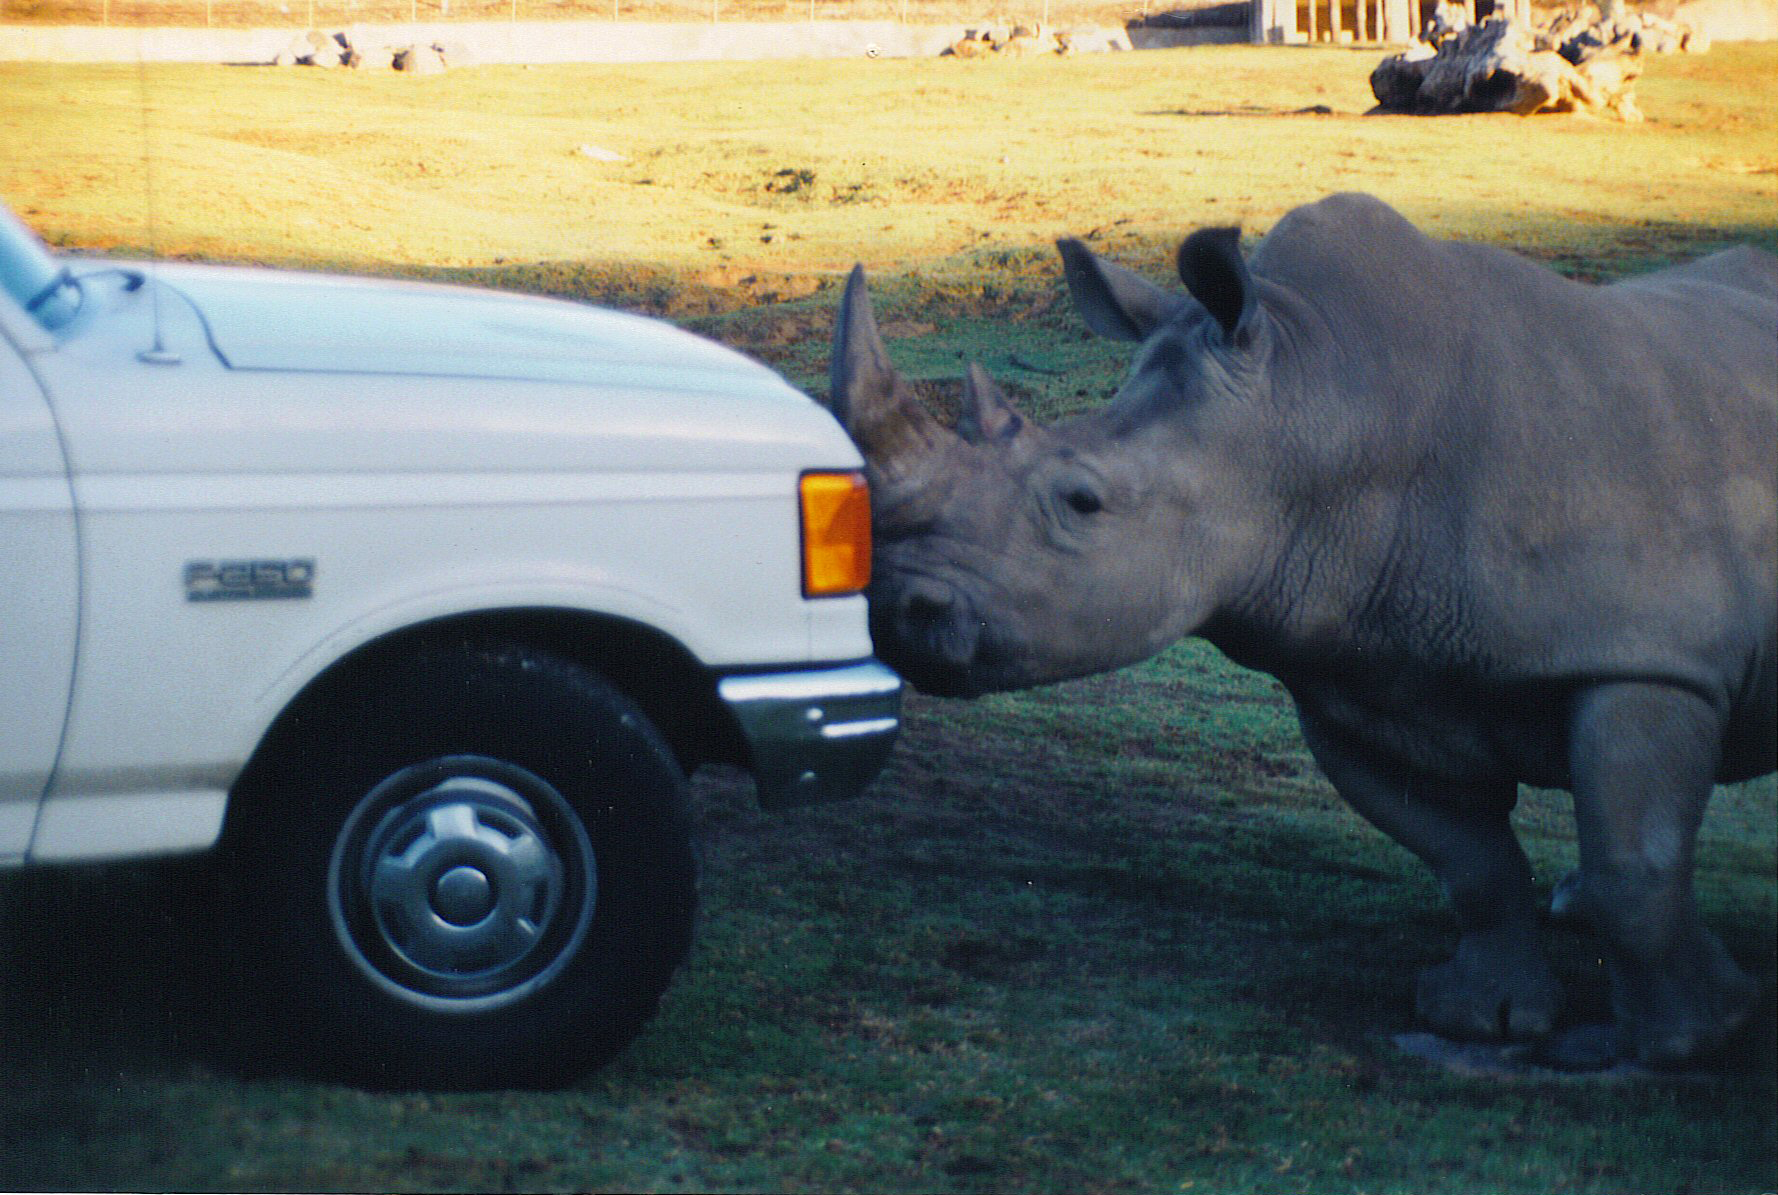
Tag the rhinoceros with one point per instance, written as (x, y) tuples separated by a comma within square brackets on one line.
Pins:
[(1487, 525)]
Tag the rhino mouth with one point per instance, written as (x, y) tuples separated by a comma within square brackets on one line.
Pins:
[(931, 634)]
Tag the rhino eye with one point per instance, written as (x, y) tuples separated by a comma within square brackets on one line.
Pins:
[(1083, 501)]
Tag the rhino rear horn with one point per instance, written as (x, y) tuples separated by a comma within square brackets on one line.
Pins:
[(988, 416), (872, 401)]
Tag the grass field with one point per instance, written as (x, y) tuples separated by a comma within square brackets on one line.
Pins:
[(1114, 935)]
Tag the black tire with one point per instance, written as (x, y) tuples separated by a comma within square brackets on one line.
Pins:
[(470, 868)]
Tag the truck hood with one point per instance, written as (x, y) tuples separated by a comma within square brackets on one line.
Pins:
[(314, 375), (311, 323)]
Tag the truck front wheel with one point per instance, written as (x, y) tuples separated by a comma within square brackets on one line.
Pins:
[(472, 868)]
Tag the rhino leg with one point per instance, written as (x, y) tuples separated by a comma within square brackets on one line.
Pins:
[(1644, 759), (1499, 984)]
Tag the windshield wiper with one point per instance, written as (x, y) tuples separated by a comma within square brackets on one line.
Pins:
[(64, 277), (56, 316), (39, 304)]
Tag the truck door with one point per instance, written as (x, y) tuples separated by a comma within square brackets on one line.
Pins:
[(39, 598)]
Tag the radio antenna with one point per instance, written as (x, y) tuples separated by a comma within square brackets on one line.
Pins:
[(158, 353)]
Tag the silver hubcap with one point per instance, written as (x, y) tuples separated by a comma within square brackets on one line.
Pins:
[(461, 884)]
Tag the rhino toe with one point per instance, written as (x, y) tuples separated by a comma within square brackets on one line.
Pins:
[(1489, 991)]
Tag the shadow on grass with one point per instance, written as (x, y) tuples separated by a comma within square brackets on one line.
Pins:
[(113, 969)]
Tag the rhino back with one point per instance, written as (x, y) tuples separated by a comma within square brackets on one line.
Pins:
[(1554, 481)]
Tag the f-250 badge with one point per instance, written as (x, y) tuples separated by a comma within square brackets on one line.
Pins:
[(248, 580)]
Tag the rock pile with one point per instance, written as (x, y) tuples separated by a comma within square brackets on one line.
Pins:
[(1582, 60), (355, 50), (1587, 30), (1023, 41)]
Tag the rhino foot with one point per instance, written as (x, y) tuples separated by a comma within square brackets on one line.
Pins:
[(1675, 1002), (1497, 986), (1681, 1014)]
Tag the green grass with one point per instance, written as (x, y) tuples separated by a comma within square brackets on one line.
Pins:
[(1112, 935)]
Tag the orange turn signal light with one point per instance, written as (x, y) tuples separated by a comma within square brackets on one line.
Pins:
[(836, 534)]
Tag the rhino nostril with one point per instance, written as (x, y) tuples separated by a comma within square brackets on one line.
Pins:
[(935, 619), (927, 607)]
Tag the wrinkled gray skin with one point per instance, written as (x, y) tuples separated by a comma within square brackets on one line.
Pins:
[(1488, 526)]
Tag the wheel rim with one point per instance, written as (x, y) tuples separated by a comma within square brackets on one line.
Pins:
[(462, 884)]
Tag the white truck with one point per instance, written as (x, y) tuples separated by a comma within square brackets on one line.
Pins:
[(419, 603)]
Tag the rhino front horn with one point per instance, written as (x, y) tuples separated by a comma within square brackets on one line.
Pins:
[(872, 401)]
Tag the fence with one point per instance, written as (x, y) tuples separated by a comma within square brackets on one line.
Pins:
[(1275, 21), (317, 13)]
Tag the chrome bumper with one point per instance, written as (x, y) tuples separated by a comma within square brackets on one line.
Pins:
[(820, 735)]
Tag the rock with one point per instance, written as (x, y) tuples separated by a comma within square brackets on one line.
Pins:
[(1581, 33), (1030, 40), (1503, 66), (1482, 63), (373, 58), (297, 51), (1396, 80), (1093, 39), (1606, 83), (419, 60), (970, 46), (1448, 20), (1027, 40), (1545, 82), (454, 53)]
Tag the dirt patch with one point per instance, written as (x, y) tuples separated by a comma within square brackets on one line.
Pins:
[(743, 286)]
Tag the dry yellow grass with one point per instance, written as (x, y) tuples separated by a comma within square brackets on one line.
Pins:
[(303, 13), (791, 170)]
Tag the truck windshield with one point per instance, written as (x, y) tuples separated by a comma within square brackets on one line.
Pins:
[(34, 278)]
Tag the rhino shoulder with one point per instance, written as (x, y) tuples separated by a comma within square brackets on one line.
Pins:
[(1352, 217), (1359, 263), (1337, 240)]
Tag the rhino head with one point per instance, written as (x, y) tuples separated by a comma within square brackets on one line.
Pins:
[(1010, 554)]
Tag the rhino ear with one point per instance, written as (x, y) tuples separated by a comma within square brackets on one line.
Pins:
[(1113, 301), (1213, 270), (988, 416), (868, 396)]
